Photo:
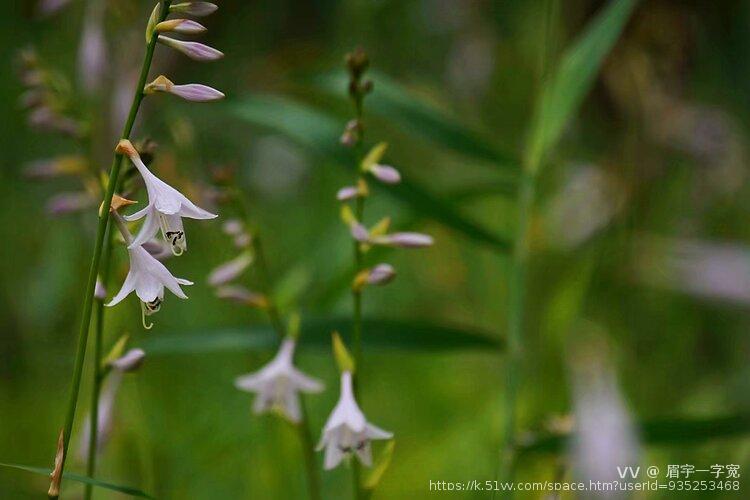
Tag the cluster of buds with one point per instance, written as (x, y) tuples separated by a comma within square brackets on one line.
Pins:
[(223, 277), (45, 97), (111, 371), (197, 51), (379, 233)]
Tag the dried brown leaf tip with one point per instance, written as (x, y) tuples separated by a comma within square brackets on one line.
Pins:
[(56, 475)]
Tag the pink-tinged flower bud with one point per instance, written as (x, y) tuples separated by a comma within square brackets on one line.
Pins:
[(347, 193), (386, 174), (100, 293), (194, 50), (182, 26), (198, 9), (49, 7), (242, 295), (92, 50), (230, 270), (55, 167), (197, 93), (404, 240), (192, 91), (242, 240), (130, 361), (381, 274), (233, 227), (359, 232), (68, 203)]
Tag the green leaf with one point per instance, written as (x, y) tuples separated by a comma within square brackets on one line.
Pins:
[(566, 89), (658, 432), (379, 467), (378, 333), (81, 479), (414, 114), (320, 132)]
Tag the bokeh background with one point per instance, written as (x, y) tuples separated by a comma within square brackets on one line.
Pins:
[(639, 281)]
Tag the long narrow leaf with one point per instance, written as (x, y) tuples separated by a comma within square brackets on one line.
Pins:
[(385, 334), (319, 133), (81, 479), (574, 78), (659, 432)]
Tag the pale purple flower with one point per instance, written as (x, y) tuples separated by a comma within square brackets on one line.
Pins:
[(49, 7), (277, 385), (193, 50), (198, 9), (381, 274), (347, 430), (182, 26), (54, 167), (100, 292), (158, 248), (242, 240), (347, 193), (359, 232), (404, 240), (230, 270), (130, 361), (192, 91), (385, 174), (241, 295), (92, 50), (233, 227), (69, 202)]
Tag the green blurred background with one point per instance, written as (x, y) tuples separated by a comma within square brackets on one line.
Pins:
[(639, 229)]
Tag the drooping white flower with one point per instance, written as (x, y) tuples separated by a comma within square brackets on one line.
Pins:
[(148, 277), (166, 207), (347, 431), (278, 383)]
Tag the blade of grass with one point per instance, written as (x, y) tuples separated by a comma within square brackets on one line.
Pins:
[(81, 479), (391, 334)]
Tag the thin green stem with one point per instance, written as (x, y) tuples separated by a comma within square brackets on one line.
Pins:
[(96, 257), (274, 316)]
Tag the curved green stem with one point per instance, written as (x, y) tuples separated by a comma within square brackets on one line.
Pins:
[(96, 260)]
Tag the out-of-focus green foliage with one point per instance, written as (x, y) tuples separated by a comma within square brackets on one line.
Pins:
[(639, 227)]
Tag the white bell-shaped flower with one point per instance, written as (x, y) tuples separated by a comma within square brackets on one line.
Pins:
[(166, 207), (148, 277), (347, 430), (278, 383)]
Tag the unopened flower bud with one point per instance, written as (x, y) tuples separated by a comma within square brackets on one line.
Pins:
[(242, 240), (357, 62), (100, 293), (386, 174), (359, 232), (55, 167), (233, 227), (230, 270), (347, 139), (194, 50), (69, 202), (381, 274), (191, 92), (198, 9), (130, 361), (347, 193), (404, 240), (182, 26), (242, 295)]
